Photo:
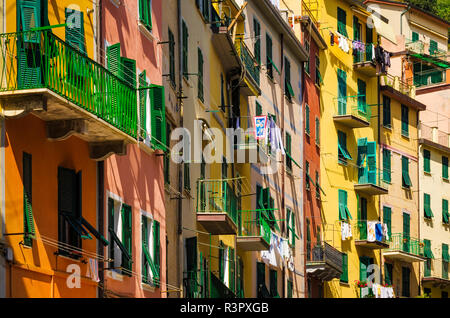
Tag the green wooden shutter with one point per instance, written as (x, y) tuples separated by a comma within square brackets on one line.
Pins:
[(75, 30), (200, 76), (406, 278), (405, 121), (29, 13), (386, 111), (187, 176), (342, 147), (445, 256), (232, 269), (143, 103), (317, 131), (342, 92), (445, 167), (388, 273), (260, 278), (158, 117), (387, 219), (144, 230), (293, 229), (191, 265), (171, 57), (287, 79), (145, 13), (386, 165), (221, 261), (427, 206), (406, 181), (157, 248), (344, 275), (426, 161), (307, 126), (445, 214), (258, 110), (341, 22), (128, 71), (415, 36), (427, 249), (269, 57), (362, 105), (344, 213), (113, 59), (288, 152), (372, 161), (185, 36), (111, 228), (433, 47), (363, 264), (127, 236), (406, 231), (273, 283), (28, 221)]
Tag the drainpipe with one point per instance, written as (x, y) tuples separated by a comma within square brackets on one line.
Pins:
[(418, 196), (283, 173), (100, 224), (401, 18), (180, 167), (379, 156)]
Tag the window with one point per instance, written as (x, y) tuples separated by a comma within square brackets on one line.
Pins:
[(386, 112), (342, 22), (160, 137), (445, 214), (343, 153), (445, 167), (257, 48), (185, 36), (143, 93), (75, 30), (261, 280), (258, 110), (405, 121), (273, 283), (290, 225), (290, 288), (307, 126), (406, 181), (406, 277), (429, 255), (269, 57), (288, 152), (200, 75), (265, 202), (150, 251), (166, 157), (307, 178), (120, 235), (445, 260), (342, 92), (288, 91), (433, 47), (145, 13), (415, 36), (308, 240), (317, 185), (224, 168), (204, 7), (426, 161), (28, 222), (344, 275), (386, 165), (172, 58), (387, 219), (364, 263), (317, 131), (344, 213), (307, 65), (388, 271), (427, 206)]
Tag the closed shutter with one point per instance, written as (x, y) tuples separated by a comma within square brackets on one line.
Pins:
[(145, 13), (200, 75), (426, 161), (221, 261), (307, 126), (75, 36), (372, 162), (386, 165), (387, 219), (427, 205), (157, 248), (342, 202), (362, 105), (433, 47), (445, 255), (363, 264), (113, 59), (317, 131), (342, 92), (143, 103), (232, 269), (386, 112), (172, 57), (406, 277), (185, 35), (293, 229), (28, 221), (269, 57), (342, 21), (127, 237), (406, 231), (274, 283), (415, 36), (344, 275), (257, 30), (445, 167), (261, 279), (191, 265), (388, 279), (405, 121), (158, 117), (445, 214), (406, 181), (258, 110)]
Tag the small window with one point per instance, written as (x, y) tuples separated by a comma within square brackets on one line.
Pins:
[(386, 112), (405, 121), (343, 154), (445, 167), (344, 275), (307, 125), (406, 180), (426, 161), (344, 213), (386, 165), (427, 206)]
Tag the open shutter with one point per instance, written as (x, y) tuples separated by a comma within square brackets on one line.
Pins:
[(387, 219), (363, 263), (28, 221), (445, 214), (360, 161), (30, 16), (257, 30), (307, 125), (342, 204), (405, 172), (342, 92), (269, 61), (362, 105), (344, 275), (75, 36), (406, 231), (113, 59), (126, 236), (158, 117), (144, 238), (156, 247), (372, 162), (143, 104), (427, 205)]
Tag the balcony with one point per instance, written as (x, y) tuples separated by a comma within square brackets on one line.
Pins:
[(325, 263), (415, 46), (352, 111), (401, 91), (405, 249), (246, 148), (370, 242), (254, 231), (216, 206), (250, 84), (434, 138), (436, 273), (43, 75), (370, 181), (363, 63)]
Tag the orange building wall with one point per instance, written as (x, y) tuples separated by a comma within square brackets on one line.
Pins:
[(36, 271)]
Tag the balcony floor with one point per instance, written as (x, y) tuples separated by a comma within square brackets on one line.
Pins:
[(436, 281), (252, 243), (351, 121), (367, 68), (370, 189), (65, 118), (377, 245), (217, 223), (322, 271), (403, 256)]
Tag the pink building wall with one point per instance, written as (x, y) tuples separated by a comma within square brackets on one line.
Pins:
[(136, 178)]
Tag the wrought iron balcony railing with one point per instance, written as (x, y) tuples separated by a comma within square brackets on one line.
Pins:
[(403, 243), (353, 105), (254, 223), (372, 176), (39, 59), (396, 83), (364, 56), (252, 66)]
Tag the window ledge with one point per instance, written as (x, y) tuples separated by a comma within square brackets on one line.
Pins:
[(148, 287), (427, 173), (445, 180), (387, 127), (146, 32), (405, 136)]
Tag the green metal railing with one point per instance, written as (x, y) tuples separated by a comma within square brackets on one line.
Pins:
[(364, 56), (436, 268), (396, 83), (39, 59), (252, 66), (253, 223), (361, 230), (353, 105), (371, 175), (216, 196), (402, 243)]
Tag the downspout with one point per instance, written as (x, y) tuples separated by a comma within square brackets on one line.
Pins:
[(283, 173), (100, 224), (379, 155), (401, 18), (418, 195), (180, 172)]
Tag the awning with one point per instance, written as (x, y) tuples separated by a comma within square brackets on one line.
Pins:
[(435, 61), (383, 29)]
